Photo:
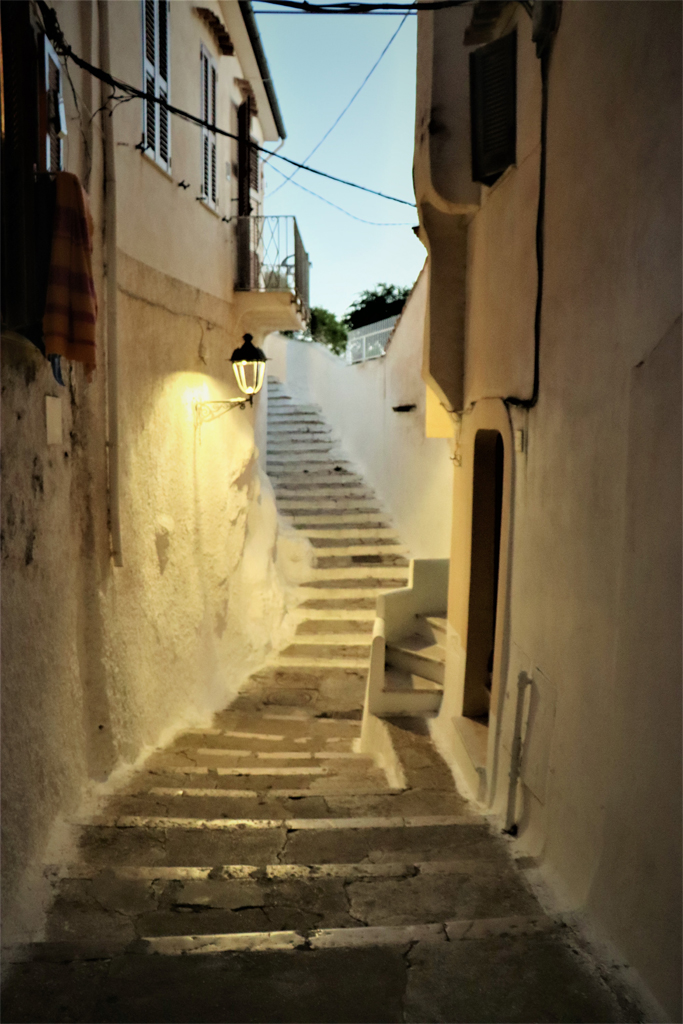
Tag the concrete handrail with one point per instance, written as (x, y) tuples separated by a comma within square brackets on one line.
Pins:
[(375, 684), (426, 594)]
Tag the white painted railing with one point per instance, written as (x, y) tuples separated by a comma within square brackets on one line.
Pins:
[(369, 342)]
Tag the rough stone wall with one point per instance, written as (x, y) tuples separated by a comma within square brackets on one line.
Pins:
[(99, 663)]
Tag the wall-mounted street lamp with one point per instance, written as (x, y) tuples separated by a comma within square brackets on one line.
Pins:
[(249, 367)]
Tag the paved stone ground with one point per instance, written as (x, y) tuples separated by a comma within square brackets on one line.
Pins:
[(263, 870)]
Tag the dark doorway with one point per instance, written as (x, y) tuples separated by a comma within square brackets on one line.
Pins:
[(487, 507)]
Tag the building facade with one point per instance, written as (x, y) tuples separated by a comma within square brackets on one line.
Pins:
[(548, 182), (138, 554)]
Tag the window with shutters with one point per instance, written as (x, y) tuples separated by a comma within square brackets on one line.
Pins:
[(208, 84), (156, 126), (55, 114), (493, 108), (247, 162)]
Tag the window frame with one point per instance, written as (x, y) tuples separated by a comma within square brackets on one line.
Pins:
[(50, 57), (152, 134), (208, 96), (493, 108)]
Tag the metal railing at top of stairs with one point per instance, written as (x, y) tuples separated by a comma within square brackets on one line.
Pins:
[(369, 342), (271, 257)]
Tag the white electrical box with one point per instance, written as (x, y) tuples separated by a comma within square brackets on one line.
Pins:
[(53, 419)]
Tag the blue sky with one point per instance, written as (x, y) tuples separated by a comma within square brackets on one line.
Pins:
[(317, 62)]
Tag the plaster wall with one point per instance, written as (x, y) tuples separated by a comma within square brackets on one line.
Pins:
[(410, 473), (100, 663), (165, 226), (594, 577)]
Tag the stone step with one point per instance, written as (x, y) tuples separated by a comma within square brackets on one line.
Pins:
[(332, 481), (324, 596), (342, 600), (300, 449), (441, 970), (283, 417), (103, 907), (329, 645), (341, 559), (288, 405), (301, 661), (340, 521), (313, 496), (167, 841), (407, 694), (363, 540), (335, 625), (204, 802), (415, 654), (314, 459), (316, 780), (228, 760), (358, 577), (327, 614), (317, 474)]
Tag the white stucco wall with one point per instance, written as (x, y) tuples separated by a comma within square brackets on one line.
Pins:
[(593, 598), (411, 474)]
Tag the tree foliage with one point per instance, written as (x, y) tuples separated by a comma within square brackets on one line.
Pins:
[(326, 330), (378, 303)]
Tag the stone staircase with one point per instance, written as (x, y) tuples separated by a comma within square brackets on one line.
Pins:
[(356, 556), (261, 869)]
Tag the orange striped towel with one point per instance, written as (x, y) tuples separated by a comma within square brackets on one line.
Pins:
[(71, 303)]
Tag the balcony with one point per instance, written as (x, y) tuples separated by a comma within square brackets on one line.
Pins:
[(270, 257)]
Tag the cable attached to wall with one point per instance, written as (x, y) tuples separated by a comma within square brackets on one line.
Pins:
[(546, 18), (56, 37)]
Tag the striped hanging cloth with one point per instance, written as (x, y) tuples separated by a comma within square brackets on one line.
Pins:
[(71, 304)]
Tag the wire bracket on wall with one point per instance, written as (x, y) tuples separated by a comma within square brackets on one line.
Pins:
[(205, 412)]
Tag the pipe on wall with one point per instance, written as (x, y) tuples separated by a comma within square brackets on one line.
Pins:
[(523, 681), (112, 292)]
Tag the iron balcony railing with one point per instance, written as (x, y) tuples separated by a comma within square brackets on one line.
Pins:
[(369, 342), (271, 258)]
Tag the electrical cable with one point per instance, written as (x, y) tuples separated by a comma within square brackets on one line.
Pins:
[(366, 14), (529, 403), (373, 223), (56, 37), (364, 8), (356, 93)]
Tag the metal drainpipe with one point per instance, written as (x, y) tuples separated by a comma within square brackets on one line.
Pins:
[(112, 293), (516, 756)]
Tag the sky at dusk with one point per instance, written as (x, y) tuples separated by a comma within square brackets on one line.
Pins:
[(317, 62)]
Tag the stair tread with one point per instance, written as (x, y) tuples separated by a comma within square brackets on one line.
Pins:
[(439, 622), (420, 646), (398, 681)]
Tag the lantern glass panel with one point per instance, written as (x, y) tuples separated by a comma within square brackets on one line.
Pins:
[(250, 376)]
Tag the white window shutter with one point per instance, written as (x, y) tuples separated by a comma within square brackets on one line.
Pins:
[(156, 77), (209, 154)]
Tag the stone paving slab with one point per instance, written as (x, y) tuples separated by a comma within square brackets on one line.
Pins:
[(533, 978)]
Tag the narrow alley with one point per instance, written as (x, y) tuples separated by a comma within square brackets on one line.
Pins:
[(340, 520), (261, 869)]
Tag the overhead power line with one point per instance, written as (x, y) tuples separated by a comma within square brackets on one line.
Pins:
[(356, 93), (373, 223), (56, 37), (367, 14), (363, 8)]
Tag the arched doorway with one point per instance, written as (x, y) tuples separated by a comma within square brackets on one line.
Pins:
[(487, 507)]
